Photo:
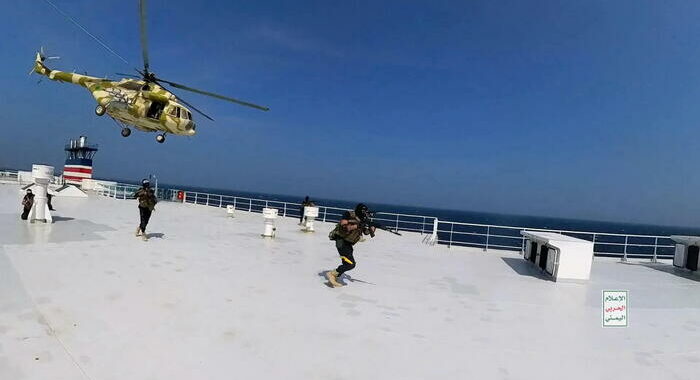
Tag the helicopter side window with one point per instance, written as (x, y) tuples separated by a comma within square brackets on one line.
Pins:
[(155, 110), (183, 114), (189, 115), (175, 111)]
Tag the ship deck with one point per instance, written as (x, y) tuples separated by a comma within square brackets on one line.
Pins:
[(207, 298)]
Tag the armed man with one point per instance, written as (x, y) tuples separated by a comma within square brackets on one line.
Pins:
[(27, 203), (346, 234), (306, 202), (147, 203)]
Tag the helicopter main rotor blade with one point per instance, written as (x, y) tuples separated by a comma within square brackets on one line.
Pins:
[(194, 108), (179, 99), (144, 40), (233, 100)]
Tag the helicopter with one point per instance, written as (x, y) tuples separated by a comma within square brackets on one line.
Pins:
[(142, 102)]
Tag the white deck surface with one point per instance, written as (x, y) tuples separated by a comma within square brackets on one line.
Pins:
[(208, 298)]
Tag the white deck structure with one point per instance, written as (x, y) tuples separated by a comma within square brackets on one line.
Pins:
[(208, 298), (569, 258)]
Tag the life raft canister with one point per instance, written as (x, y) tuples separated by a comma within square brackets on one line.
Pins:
[(180, 195)]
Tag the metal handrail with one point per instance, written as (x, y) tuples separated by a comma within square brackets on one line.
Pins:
[(555, 231), (9, 175), (13, 175), (549, 230), (491, 238)]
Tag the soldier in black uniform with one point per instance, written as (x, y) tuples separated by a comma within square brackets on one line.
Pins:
[(48, 202), (301, 209), (27, 203), (346, 233), (147, 203)]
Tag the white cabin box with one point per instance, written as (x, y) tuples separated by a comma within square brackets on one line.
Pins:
[(560, 256), (687, 252)]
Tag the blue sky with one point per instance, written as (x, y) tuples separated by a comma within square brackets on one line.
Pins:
[(570, 109)]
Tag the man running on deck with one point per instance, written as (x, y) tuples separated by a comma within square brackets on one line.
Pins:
[(147, 203), (346, 233)]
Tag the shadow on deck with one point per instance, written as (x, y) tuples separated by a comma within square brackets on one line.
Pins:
[(669, 268), (525, 268)]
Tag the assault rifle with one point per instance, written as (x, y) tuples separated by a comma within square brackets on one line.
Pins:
[(367, 222)]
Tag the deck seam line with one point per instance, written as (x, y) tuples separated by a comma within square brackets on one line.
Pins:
[(60, 342)]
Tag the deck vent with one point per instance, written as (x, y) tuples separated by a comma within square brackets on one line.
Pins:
[(270, 214), (310, 215), (42, 175)]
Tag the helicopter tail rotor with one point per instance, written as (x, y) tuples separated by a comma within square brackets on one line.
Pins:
[(39, 62), (41, 55)]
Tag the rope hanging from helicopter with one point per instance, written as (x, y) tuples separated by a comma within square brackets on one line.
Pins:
[(76, 23)]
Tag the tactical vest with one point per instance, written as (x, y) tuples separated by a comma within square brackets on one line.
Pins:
[(350, 236), (146, 198)]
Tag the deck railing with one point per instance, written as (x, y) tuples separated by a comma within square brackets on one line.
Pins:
[(124, 191), (439, 231), (13, 176), (403, 222), (9, 176), (485, 236), (442, 232)]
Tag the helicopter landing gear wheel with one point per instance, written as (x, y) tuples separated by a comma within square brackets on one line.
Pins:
[(161, 138), (100, 110), (126, 132)]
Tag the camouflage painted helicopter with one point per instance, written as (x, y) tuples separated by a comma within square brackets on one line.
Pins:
[(144, 102)]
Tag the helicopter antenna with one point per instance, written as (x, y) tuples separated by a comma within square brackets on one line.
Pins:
[(76, 23)]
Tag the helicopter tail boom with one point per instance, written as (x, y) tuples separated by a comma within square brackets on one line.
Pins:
[(60, 76)]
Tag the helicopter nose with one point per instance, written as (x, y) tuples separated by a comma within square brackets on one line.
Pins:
[(191, 129)]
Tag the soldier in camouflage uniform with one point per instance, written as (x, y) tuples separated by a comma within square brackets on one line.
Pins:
[(147, 203), (346, 233)]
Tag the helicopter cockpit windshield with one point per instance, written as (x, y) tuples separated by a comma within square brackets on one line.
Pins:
[(180, 113)]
